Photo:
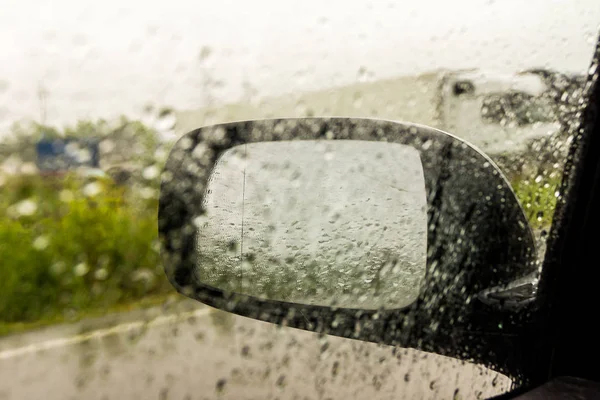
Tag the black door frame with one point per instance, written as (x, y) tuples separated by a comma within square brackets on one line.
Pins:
[(566, 342)]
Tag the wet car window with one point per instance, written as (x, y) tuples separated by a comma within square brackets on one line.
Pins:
[(517, 108), (93, 97)]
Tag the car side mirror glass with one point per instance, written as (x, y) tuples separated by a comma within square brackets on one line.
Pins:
[(322, 222)]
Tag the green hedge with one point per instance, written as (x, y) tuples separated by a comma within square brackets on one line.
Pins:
[(69, 245)]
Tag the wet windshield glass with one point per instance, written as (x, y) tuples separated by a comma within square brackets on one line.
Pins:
[(94, 96)]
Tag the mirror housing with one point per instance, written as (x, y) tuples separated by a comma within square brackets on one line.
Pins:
[(478, 237)]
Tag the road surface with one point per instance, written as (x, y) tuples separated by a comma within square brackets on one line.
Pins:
[(189, 351)]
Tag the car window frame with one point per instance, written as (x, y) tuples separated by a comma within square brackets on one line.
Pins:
[(563, 342)]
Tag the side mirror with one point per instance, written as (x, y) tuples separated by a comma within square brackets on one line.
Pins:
[(374, 230)]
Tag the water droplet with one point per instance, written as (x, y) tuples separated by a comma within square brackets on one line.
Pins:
[(200, 221), (335, 368), (151, 172), (41, 243), (101, 274), (185, 143), (143, 274), (220, 386), (81, 269), (246, 351), (540, 216), (161, 155), (66, 195), (26, 207), (495, 381), (165, 123), (280, 381), (106, 146), (28, 168), (362, 75), (205, 53), (92, 189), (457, 395), (358, 100), (57, 268), (148, 193), (232, 247)]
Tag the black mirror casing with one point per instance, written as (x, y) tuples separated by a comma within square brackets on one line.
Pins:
[(478, 237)]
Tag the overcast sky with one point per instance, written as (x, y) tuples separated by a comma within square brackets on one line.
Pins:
[(104, 58)]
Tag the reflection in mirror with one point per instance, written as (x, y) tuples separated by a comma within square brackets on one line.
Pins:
[(340, 223)]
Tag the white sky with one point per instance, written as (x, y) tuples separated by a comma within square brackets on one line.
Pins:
[(111, 57)]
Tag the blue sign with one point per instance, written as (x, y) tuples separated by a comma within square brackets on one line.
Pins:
[(57, 155)]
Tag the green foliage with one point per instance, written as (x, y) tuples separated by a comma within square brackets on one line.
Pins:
[(69, 245), (538, 195)]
